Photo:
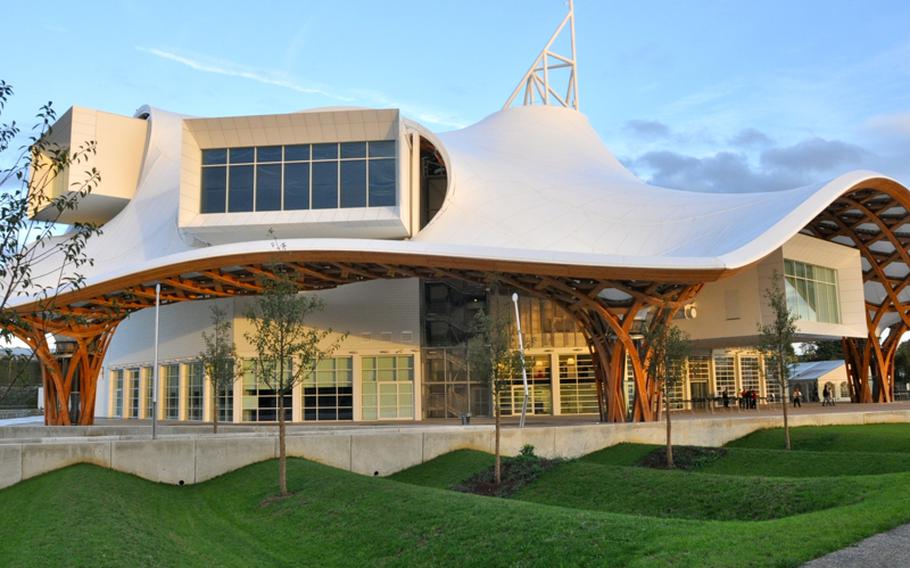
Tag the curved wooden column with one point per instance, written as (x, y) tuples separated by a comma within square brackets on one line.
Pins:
[(82, 367), (610, 330)]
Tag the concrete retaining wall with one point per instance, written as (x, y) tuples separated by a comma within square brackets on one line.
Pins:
[(191, 458)]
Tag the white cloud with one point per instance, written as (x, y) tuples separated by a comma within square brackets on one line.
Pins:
[(233, 70), (276, 79), (893, 125)]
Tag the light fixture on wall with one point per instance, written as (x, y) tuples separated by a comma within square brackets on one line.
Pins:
[(689, 311)]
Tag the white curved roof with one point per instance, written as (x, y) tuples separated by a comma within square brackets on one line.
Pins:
[(527, 184)]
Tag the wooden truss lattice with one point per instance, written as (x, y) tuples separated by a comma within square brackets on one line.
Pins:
[(875, 221), (611, 322)]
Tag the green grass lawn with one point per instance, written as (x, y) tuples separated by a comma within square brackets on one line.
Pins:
[(772, 463), (688, 495), (89, 516), (446, 470), (863, 438)]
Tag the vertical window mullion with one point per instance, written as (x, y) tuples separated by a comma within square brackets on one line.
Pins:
[(255, 175), (227, 182)]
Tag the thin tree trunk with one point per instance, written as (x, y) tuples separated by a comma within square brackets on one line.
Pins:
[(282, 452), (214, 408), (497, 470), (785, 399), (669, 427)]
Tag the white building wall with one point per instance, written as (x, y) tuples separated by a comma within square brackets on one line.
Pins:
[(846, 260), (381, 318), (730, 310)]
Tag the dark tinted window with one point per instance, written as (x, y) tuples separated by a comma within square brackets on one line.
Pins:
[(241, 155), (268, 154), (268, 187), (325, 151), (296, 186), (325, 185), (240, 190), (382, 183), (382, 149), (354, 183), (218, 156), (354, 150), (213, 189), (298, 152)]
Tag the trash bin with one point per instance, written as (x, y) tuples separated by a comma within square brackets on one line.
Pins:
[(465, 419)]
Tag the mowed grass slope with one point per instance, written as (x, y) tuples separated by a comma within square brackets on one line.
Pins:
[(857, 438), (88, 516), (584, 484), (683, 494), (772, 462)]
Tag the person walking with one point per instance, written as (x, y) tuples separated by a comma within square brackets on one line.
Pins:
[(826, 396), (797, 395), (726, 398)]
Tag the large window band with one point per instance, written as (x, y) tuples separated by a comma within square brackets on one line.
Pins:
[(296, 177)]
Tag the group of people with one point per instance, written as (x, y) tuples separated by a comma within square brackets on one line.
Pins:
[(748, 399)]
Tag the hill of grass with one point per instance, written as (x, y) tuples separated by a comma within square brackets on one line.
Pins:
[(682, 494), (857, 438), (586, 512), (771, 463)]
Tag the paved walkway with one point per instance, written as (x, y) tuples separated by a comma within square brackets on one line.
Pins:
[(23, 420), (885, 550)]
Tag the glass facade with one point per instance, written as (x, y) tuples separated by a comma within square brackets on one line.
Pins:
[(118, 392), (387, 387), (134, 392), (577, 387), (543, 324), (812, 291), (540, 387), (171, 376), (260, 401), (677, 390), (195, 393), (149, 390), (725, 375), (449, 390), (226, 403), (296, 177), (750, 373), (328, 392)]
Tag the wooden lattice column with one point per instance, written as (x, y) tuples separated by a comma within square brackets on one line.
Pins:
[(875, 220), (611, 335), (84, 365), (857, 360)]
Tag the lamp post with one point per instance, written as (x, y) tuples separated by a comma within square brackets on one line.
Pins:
[(524, 371), (155, 365)]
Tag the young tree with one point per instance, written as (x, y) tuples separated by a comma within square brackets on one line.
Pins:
[(491, 356), (286, 350), (776, 343), (822, 350), (669, 350), (219, 358), (37, 259)]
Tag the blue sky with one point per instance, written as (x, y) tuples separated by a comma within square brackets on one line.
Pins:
[(706, 95)]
